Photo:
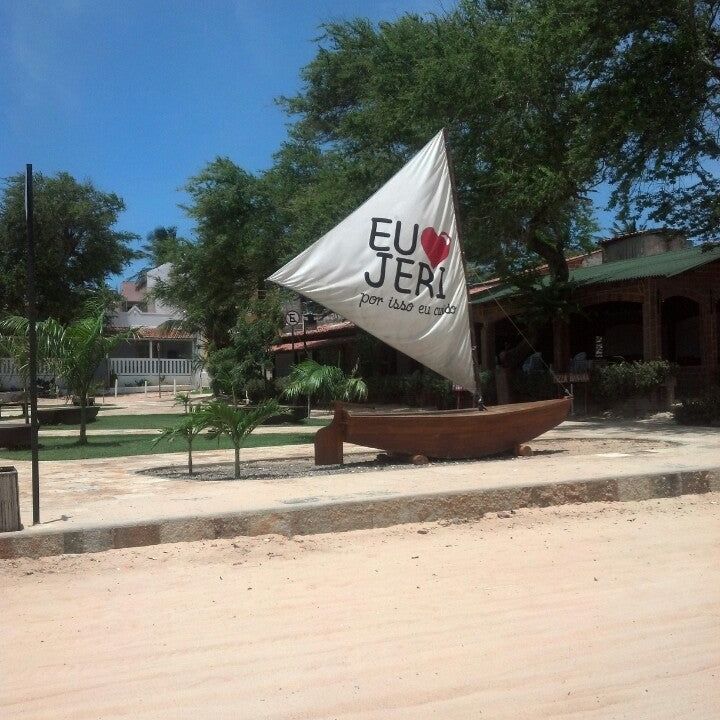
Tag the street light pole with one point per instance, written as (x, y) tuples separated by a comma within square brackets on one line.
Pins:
[(32, 342)]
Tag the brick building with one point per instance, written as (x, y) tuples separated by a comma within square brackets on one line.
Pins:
[(642, 296)]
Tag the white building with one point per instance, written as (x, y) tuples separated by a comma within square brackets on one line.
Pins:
[(160, 352)]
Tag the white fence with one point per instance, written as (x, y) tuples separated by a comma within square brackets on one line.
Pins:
[(10, 378), (135, 372), (150, 368), (130, 373)]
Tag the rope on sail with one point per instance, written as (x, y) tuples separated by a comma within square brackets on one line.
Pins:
[(530, 345)]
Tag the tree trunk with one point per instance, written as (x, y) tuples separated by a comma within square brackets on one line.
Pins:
[(190, 467), (237, 461), (553, 256), (559, 272), (83, 419)]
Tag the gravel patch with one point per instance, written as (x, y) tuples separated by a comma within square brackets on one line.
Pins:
[(276, 469)]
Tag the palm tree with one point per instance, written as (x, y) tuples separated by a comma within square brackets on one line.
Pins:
[(327, 382), (14, 344), (188, 428), (625, 225), (237, 423), (81, 347), (182, 399)]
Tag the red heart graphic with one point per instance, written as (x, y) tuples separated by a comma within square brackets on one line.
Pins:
[(436, 247)]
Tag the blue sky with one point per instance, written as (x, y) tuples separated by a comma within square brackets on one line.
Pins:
[(138, 95)]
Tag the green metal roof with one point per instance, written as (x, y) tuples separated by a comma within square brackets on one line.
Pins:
[(666, 265)]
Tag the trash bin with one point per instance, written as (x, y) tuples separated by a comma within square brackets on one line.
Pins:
[(9, 500)]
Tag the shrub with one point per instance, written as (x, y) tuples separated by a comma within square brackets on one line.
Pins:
[(488, 387), (258, 390), (533, 385), (621, 381), (279, 385), (435, 389), (700, 411), (325, 382), (225, 378), (421, 387)]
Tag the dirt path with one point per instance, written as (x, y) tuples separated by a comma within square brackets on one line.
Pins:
[(596, 611)]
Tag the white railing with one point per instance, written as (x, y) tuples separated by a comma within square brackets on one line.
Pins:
[(150, 367), (8, 369), (131, 373)]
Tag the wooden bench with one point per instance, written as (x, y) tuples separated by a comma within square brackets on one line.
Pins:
[(15, 437), (13, 399)]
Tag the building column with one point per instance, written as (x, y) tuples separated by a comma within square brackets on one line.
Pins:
[(652, 322), (487, 345), (709, 336), (150, 349), (561, 345)]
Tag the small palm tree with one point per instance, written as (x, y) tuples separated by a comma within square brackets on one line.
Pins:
[(81, 347), (187, 428), (182, 399), (326, 382), (237, 423)]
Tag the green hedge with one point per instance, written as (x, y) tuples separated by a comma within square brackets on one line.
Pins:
[(417, 388), (700, 411), (533, 385), (621, 381)]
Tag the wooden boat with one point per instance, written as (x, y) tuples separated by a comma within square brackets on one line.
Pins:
[(442, 434), (395, 267)]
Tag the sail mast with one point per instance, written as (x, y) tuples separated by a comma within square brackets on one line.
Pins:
[(458, 233)]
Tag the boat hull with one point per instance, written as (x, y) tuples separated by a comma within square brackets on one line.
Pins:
[(447, 434)]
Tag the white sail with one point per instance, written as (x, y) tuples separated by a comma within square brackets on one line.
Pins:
[(394, 267)]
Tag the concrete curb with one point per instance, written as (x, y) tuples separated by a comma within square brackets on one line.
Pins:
[(357, 515)]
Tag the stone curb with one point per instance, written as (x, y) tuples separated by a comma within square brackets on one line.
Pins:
[(358, 515)]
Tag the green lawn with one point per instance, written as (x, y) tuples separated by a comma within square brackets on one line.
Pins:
[(108, 446), (140, 422)]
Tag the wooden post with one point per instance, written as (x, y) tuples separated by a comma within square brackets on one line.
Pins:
[(9, 500), (116, 387), (652, 321)]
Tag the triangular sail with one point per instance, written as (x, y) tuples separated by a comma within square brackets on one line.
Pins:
[(394, 267)]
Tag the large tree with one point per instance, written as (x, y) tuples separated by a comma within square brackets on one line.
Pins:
[(544, 100), (77, 245), (247, 358), (665, 77), (239, 241)]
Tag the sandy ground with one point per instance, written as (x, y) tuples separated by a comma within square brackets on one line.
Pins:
[(594, 611)]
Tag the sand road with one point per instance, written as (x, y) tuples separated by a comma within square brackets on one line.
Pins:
[(596, 611)]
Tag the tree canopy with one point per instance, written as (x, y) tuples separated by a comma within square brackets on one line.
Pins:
[(544, 101), (77, 245), (162, 245), (239, 242)]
